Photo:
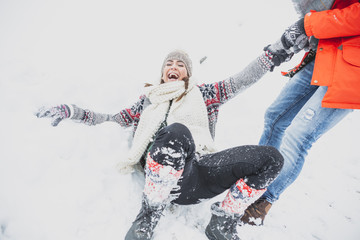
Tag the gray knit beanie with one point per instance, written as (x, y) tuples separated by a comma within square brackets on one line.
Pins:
[(179, 55)]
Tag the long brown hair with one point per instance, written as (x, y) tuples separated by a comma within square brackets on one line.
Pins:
[(186, 80)]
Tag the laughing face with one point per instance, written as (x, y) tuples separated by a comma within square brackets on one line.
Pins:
[(174, 70)]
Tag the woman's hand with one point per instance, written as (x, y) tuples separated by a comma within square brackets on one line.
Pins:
[(57, 113)]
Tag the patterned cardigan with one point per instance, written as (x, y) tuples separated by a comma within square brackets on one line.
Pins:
[(214, 95)]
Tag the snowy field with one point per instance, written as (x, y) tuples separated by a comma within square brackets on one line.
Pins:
[(62, 183)]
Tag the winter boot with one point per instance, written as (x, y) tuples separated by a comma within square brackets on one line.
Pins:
[(239, 197), (145, 222), (222, 225), (159, 181), (256, 212)]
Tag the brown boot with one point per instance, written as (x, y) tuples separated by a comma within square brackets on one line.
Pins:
[(256, 212)]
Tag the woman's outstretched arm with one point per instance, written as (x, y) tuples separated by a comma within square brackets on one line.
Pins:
[(292, 41), (126, 117)]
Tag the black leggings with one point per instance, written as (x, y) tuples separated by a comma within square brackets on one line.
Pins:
[(209, 175)]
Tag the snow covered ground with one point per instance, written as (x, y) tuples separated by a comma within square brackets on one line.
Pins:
[(61, 183)]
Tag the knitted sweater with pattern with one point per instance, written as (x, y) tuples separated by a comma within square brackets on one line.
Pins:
[(214, 95)]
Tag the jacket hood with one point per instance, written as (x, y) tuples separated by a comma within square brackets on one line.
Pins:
[(304, 6)]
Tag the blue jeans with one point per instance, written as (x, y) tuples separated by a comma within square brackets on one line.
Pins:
[(293, 123)]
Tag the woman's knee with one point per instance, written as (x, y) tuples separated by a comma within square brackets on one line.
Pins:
[(175, 131), (272, 163), (172, 146)]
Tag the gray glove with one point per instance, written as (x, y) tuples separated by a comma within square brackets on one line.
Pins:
[(57, 113), (278, 53), (292, 41), (294, 38)]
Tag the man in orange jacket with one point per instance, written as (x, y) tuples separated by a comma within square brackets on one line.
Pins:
[(321, 92)]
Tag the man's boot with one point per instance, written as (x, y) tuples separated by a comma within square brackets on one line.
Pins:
[(145, 222), (222, 225), (256, 212)]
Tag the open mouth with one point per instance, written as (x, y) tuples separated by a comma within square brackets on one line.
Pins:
[(173, 76)]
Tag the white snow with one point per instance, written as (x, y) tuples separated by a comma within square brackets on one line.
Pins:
[(61, 182)]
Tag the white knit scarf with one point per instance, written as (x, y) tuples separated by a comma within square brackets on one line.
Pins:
[(190, 111)]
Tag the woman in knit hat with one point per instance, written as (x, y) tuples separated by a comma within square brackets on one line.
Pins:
[(174, 127)]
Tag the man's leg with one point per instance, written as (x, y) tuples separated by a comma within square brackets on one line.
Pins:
[(289, 102), (307, 127), (278, 117)]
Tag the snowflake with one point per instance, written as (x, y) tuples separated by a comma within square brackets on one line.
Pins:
[(208, 91)]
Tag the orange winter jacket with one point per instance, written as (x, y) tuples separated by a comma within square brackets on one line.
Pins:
[(337, 62)]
